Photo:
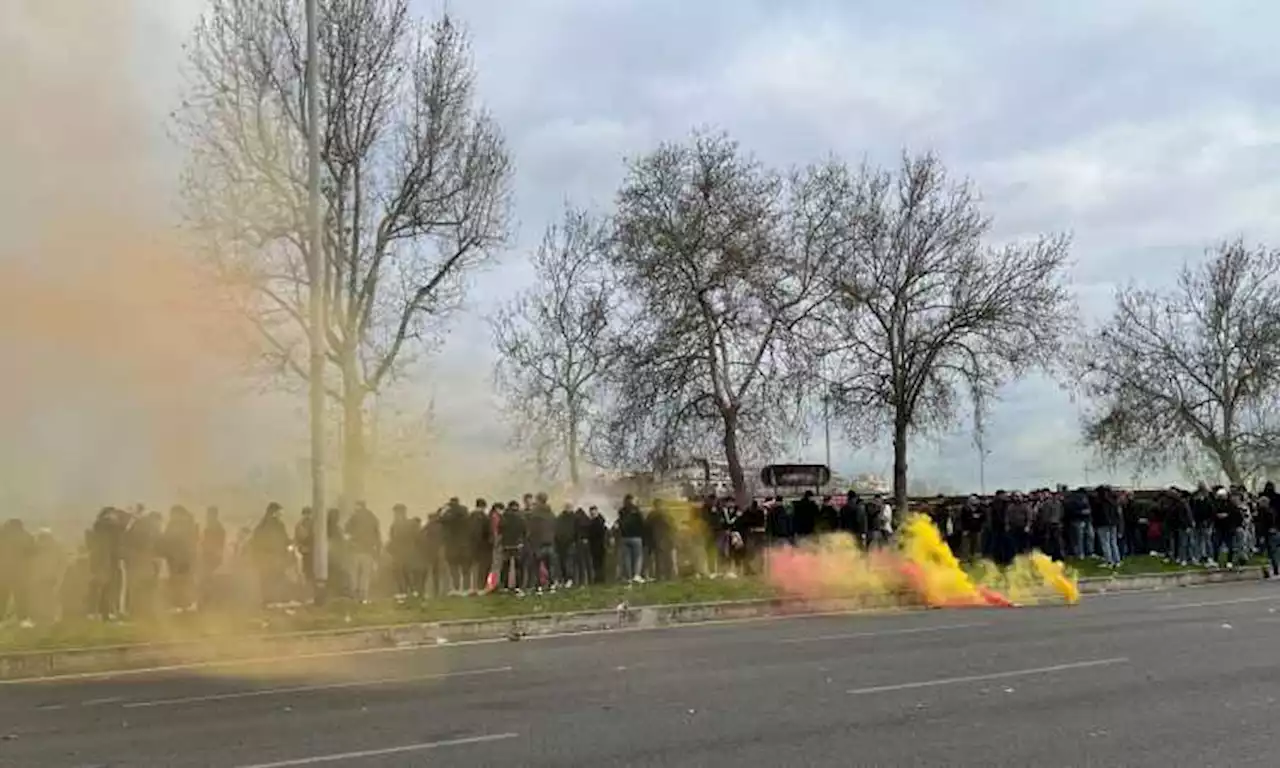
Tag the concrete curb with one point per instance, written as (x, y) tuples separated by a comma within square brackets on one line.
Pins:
[(1098, 586), (274, 648)]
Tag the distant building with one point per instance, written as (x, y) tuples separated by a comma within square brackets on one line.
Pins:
[(699, 479), (869, 484)]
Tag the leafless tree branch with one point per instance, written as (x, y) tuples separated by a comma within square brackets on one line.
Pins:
[(555, 344), (1192, 372), (415, 177), (923, 310)]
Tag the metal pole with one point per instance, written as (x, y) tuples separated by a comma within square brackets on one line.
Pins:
[(826, 426), (316, 302)]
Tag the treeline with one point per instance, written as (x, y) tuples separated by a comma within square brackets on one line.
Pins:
[(718, 304), (720, 301), (712, 307)]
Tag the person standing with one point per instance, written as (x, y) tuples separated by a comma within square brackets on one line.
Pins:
[(181, 551), (631, 540), (106, 564), (17, 547), (364, 537), (213, 544), (1107, 521), (598, 541), (512, 537), (540, 559), (304, 543), (566, 539), (401, 544), (269, 551), (143, 543), (456, 524)]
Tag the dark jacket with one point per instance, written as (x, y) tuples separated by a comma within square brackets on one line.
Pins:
[(1264, 521), (541, 526), (1076, 507), (630, 522), (973, 517), (779, 522), (1019, 516), (402, 541), (1177, 512), (456, 521), (849, 519), (1050, 513), (804, 516), (513, 528), (1202, 508), (566, 529), (659, 527), (181, 541), (1106, 509), (364, 532), (828, 518)]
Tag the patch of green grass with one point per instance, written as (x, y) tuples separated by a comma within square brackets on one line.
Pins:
[(347, 614), (1139, 565), (604, 597), (67, 634)]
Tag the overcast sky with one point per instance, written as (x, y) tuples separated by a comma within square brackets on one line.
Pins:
[(1146, 128)]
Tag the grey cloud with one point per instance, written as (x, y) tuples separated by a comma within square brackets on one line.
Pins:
[(1141, 127)]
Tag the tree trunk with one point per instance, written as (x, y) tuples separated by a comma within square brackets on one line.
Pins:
[(1231, 468), (572, 449), (899, 469), (734, 459), (354, 457)]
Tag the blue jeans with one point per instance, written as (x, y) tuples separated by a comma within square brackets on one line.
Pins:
[(1107, 542), (1231, 540), (1273, 552), (1185, 545), (1204, 542), (1079, 538), (540, 559), (632, 557)]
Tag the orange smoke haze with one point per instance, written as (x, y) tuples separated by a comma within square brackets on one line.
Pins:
[(123, 362), (126, 363)]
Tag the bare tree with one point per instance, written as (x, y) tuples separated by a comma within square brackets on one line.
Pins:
[(554, 344), (924, 310), (718, 283), (415, 182), (1192, 373)]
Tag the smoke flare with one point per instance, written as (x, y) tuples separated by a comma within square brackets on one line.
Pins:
[(921, 570)]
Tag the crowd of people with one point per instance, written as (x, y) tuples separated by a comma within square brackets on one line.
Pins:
[(1213, 527), (137, 562)]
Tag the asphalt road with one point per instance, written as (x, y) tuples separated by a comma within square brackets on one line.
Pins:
[(1180, 678)]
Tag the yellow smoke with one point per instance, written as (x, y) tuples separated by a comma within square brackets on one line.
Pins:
[(1029, 579), (922, 569)]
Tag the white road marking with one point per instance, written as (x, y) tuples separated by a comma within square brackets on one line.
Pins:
[(424, 746), (101, 702), (1236, 601), (312, 688), (992, 676), (871, 613), (51, 707), (882, 633)]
